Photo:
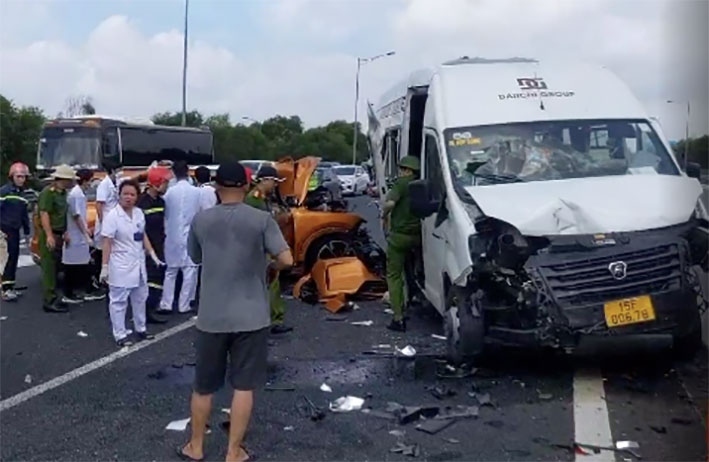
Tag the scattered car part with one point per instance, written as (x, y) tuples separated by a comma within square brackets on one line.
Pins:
[(412, 450), (307, 408), (347, 404), (434, 426)]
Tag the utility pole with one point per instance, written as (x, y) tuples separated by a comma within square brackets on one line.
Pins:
[(184, 68), (686, 132), (355, 128)]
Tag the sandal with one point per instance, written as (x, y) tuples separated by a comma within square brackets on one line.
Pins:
[(183, 456)]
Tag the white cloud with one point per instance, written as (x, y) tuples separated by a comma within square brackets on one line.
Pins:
[(129, 72)]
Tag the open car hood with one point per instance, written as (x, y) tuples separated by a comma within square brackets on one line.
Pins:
[(591, 205), (297, 174)]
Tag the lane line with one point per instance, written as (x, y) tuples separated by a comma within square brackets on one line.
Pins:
[(90, 367), (591, 420)]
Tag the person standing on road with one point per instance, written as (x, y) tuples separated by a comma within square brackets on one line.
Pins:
[(125, 245), (14, 216), (233, 322), (106, 200), (266, 181), (209, 199), (182, 202), (77, 248), (52, 206), (153, 207), (404, 234)]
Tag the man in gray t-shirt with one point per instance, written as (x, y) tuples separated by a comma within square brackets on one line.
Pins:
[(234, 242)]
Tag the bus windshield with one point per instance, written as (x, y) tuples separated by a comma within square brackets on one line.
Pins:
[(76, 146)]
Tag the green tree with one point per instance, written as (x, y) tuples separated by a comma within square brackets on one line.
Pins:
[(192, 119), (20, 128), (697, 150)]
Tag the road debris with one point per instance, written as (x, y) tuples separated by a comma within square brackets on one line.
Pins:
[(483, 399), (545, 396), (452, 441), (622, 445), (397, 433), (306, 408), (441, 392), (449, 371), (408, 414), (438, 337), (326, 388), (388, 311), (658, 429), (178, 425), (411, 450), (459, 412), (346, 404), (289, 428), (682, 421), (28, 379), (81, 333), (336, 317), (2, 318), (433, 426), (408, 351), (362, 323), (380, 414)]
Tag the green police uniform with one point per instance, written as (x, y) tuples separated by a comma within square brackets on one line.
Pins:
[(278, 305), (404, 235), (52, 201)]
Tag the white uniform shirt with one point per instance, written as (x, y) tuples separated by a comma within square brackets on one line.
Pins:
[(182, 202), (209, 196), (126, 264), (77, 251), (107, 192)]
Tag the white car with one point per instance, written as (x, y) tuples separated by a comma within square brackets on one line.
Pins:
[(353, 178)]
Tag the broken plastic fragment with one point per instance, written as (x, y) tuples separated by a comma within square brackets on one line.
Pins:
[(326, 388), (407, 351), (545, 396), (626, 445), (406, 449), (382, 345), (289, 428), (28, 378), (81, 333), (453, 441), (362, 323), (388, 311), (438, 337), (178, 425), (397, 433), (2, 318), (346, 404)]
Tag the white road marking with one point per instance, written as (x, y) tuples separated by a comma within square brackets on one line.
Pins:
[(90, 367), (25, 260), (591, 421)]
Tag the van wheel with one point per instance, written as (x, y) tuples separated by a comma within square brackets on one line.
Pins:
[(686, 346), (464, 325), (330, 246)]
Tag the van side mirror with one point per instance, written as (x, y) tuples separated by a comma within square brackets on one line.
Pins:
[(694, 170), (421, 204)]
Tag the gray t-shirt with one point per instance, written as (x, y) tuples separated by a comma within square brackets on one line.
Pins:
[(233, 242)]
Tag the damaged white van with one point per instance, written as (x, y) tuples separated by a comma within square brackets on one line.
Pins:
[(552, 205)]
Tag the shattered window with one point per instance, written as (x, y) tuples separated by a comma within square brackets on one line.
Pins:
[(543, 151)]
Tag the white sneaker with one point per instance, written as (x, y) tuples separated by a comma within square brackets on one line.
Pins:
[(9, 295)]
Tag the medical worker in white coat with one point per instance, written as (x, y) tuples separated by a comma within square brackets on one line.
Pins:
[(125, 245), (106, 198), (182, 202)]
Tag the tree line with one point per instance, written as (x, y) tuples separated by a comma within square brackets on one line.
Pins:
[(269, 139)]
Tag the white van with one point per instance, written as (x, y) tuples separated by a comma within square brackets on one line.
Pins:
[(552, 206)]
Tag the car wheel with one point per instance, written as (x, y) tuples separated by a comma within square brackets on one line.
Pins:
[(329, 246), (687, 345), (464, 325)]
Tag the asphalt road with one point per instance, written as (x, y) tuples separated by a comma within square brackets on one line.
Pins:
[(118, 408)]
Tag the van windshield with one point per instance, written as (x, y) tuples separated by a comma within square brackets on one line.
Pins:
[(556, 150)]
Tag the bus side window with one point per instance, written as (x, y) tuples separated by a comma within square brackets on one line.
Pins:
[(110, 143)]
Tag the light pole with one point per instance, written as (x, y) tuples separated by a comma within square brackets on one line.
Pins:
[(184, 68), (686, 131), (355, 131)]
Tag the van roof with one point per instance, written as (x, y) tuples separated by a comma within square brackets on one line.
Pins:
[(479, 91)]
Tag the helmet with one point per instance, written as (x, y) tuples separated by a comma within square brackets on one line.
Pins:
[(18, 168), (158, 175), (410, 162)]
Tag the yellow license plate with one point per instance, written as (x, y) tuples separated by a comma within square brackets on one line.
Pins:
[(629, 311)]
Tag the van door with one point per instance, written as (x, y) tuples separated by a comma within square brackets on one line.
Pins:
[(433, 238)]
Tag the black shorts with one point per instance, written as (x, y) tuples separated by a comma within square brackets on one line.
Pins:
[(246, 353)]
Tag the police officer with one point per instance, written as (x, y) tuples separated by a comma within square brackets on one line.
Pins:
[(265, 184), (153, 207), (52, 205), (404, 234), (13, 217)]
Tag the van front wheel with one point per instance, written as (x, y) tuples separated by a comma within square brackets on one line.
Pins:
[(464, 324)]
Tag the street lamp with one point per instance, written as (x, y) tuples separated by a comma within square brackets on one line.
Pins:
[(184, 68), (686, 132), (355, 131)]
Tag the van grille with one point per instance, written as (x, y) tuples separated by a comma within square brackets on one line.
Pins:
[(588, 280)]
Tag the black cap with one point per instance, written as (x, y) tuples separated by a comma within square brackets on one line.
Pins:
[(267, 172), (231, 175)]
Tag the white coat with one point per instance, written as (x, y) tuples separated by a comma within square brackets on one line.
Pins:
[(182, 202), (77, 251), (126, 263), (209, 196), (107, 192)]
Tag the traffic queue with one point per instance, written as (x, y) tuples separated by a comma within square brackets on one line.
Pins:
[(136, 250)]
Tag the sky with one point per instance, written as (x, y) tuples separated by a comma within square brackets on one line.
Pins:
[(259, 58)]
